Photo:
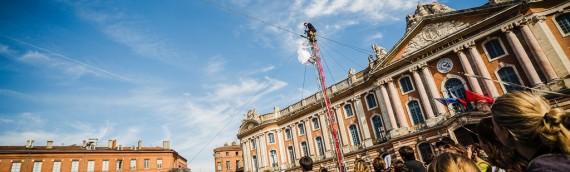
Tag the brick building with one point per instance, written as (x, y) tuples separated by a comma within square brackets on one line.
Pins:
[(89, 158), (490, 50), (228, 158)]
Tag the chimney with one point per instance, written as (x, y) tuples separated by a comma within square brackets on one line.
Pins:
[(165, 144), (49, 145), (110, 144), (30, 144), (114, 144), (139, 145)]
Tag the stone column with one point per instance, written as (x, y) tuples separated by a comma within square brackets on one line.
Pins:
[(522, 57), (309, 134), (467, 68), (258, 151), (265, 159), (489, 85), (325, 130), (362, 122), (388, 105), (281, 146), (551, 46), (539, 55), (341, 128), (423, 95), (382, 105), (430, 82), (246, 157), (296, 147), (397, 104)]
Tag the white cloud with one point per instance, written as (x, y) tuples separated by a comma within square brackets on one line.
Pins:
[(214, 65)]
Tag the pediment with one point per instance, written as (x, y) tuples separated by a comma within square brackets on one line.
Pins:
[(431, 33), (248, 124)]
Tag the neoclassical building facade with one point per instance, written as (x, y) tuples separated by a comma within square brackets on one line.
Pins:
[(493, 49)]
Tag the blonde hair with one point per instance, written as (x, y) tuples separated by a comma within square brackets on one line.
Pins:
[(360, 166), (451, 162), (532, 121)]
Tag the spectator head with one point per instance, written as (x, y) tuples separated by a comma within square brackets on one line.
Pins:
[(407, 153), (527, 120), (451, 162), (306, 163), (379, 164), (497, 154), (360, 166), (454, 148), (429, 157), (399, 166)]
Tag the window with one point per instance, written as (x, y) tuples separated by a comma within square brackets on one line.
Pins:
[(508, 74), (37, 167), (253, 143), (377, 122), (146, 163), (237, 153), (219, 166), (425, 150), (371, 101), (348, 110), (105, 165), (227, 154), (271, 137), (416, 112), (288, 133), (159, 163), (255, 162), (90, 165), (16, 167), (494, 49), (56, 166), (237, 164), (133, 164), (291, 154), (217, 154), (315, 123), (75, 166), (406, 84), (228, 165), (301, 129), (563, 21), (273, 155), (304, 148), (320, 146), (456, 89), (119, 165), (354, 134)]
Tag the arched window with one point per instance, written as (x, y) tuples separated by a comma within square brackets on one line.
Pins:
[(301, 129), (377, 122), (371, 101), (563, 21), (406, 84), (494, 48), (320, 146), (271, 137), (315, 123), (508, 74), (354, 134), (288, 133), (254, 162), (348, 110), (304, 148), (425, 150), (456, 89), (273, 155), (416, 112), (291, 154)]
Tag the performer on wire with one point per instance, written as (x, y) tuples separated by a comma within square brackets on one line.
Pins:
[(311, 32)]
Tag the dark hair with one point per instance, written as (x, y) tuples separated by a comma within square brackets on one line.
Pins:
[(399, 166), (306, 163), (378, 164), (407, 153), (429, 157), (323, 170), (498, 155)]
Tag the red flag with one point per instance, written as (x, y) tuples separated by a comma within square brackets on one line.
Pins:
[(458, 99), (472, 96)]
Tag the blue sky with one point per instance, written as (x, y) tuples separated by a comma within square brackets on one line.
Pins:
[(174, 70)]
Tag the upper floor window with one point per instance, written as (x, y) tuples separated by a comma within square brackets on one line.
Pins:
[(253, 143), (237, 164), (315, 123), (371, 101), (133, 164), (57, 166), (377, 122), (304, 147), (90, 165), (16, 167), (288, 133), (291, 154), (75, 166), (508, 74), (219, 166), (354, 134), (228, 165), (271, 137), (320, 149), (38, 167), (494, 48), (406, 84), (348, 110), (227, 154), (416, 112), (105, 165), (159, 163), (301, 129), (563, 21)]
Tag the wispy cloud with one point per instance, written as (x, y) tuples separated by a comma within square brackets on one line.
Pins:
[(18, 95), (214, 65)]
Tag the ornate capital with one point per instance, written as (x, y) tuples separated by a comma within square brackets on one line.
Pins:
[(470, 44), (414, 68), (538, 18), (335, 107), (508, 28), (356, 97), (458, 50)]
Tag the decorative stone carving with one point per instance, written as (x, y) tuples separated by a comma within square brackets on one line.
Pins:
[(433, 32), (424, 10), (444, 65), (351, 71), (499, 1), (370, 62)]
